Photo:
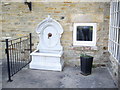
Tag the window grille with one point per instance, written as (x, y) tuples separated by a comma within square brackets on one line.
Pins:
[(114, 30)]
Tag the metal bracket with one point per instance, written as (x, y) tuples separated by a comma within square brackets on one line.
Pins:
[(29, 5)]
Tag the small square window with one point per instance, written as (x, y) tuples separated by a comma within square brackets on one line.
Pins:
[(84, 34)]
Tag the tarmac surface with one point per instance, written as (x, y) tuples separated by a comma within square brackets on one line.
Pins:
[(70, 77)]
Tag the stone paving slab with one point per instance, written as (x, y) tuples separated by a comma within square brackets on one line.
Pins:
[(70, 77)]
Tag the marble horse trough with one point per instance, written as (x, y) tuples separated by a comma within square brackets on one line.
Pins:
[(48, 55)]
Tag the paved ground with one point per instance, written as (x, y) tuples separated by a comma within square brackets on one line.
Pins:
[(70, 77), (0, 74)]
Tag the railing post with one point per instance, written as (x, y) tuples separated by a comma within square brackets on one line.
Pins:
[(8, 62), (30, 42)]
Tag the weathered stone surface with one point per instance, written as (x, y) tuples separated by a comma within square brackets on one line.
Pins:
[(65, 1), (114, 69), (119, 76), (17, 18), (86, 18)]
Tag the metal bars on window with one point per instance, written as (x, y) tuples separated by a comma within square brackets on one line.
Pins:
[(114, 30)]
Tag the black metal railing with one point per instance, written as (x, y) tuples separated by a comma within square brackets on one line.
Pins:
[(18, 54)]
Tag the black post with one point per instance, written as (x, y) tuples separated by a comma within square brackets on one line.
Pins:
[(30, 42), (8, 63)]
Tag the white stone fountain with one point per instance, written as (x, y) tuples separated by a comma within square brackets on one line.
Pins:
[(48, 55)]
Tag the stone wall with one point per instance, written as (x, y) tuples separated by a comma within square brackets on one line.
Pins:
[(119, 76), (114, 68), (17, 21), (0, 29)]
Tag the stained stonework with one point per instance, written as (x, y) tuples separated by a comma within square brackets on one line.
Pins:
[(66, 1), (114, 68), (17, 18), (0, 30), (119, 76)]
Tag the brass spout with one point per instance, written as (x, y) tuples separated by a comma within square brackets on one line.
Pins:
[(49, 35)]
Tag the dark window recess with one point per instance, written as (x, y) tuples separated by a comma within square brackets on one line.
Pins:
[(119, 36), (84, 33)]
